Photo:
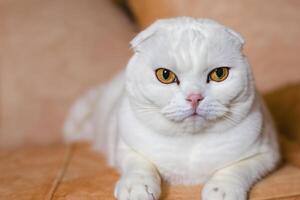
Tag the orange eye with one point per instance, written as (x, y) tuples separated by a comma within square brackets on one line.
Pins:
[(219, 74), (165, 76)]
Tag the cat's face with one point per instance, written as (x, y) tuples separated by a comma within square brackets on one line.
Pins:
[(189, 75)]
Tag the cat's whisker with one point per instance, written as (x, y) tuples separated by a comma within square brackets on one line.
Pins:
[(230, 119)]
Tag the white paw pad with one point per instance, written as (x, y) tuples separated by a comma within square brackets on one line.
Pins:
[(222, 191), (136, 187)]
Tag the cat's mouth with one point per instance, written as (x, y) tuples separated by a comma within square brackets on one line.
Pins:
[(194, 115), (184, 115)]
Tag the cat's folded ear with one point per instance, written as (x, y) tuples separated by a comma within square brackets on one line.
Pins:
[(164, 23), (146, 34), (237, 36)]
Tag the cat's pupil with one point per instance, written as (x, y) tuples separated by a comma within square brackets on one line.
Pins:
[(166, 74), (220, 72)]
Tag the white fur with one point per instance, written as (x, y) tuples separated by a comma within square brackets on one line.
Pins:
[(146, 129)]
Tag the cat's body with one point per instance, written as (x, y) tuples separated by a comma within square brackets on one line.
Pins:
[(228, 143)]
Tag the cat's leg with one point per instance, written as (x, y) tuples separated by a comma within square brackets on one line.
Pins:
[(140, 179), (234, 181)]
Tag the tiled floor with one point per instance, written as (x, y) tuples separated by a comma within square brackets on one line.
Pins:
[(32, 173)]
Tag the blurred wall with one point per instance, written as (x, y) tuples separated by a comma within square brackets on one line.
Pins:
[(50, 52)]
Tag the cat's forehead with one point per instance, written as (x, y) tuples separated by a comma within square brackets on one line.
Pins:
[(188, 43), (191, 37), (190, 48), (183, 30)]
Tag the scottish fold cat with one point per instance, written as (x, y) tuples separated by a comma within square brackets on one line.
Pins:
[(185, 111)]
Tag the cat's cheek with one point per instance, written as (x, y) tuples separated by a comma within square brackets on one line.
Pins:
[(210, 109), (226, 92), (158, 94), (209, 114)]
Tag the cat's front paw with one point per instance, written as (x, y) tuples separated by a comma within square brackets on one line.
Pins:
[(223, 190), (137, 187)]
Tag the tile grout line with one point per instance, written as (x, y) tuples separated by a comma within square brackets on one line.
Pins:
[(60, 175)]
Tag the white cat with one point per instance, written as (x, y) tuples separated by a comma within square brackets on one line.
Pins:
[(186, 110)]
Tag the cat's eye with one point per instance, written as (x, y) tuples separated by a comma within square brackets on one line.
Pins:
[(166, 76), (219, 74)]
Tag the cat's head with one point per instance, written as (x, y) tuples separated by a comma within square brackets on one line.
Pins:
[(189, 75)]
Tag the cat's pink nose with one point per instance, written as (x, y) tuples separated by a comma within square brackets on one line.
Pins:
[(194, 100)]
